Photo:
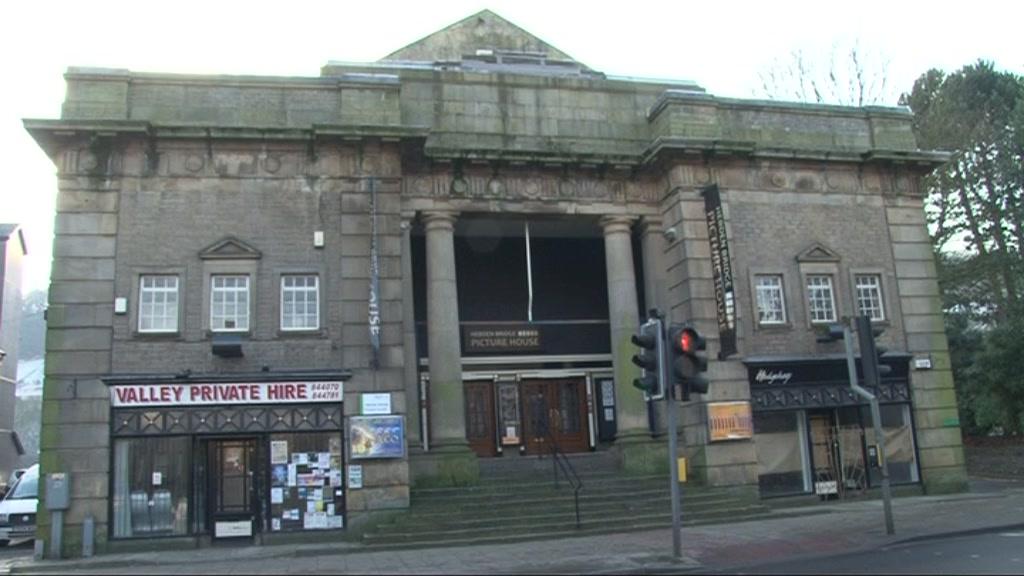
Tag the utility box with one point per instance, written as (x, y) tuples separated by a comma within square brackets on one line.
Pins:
[(58, 491)]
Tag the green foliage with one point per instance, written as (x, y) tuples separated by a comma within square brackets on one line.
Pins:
[(975, 208), (995, 383), (976, 201)]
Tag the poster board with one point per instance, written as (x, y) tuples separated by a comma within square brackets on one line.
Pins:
[(376, 437), (730, 421)]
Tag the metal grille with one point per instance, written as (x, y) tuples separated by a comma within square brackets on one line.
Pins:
[(822, 396), (224, 420)]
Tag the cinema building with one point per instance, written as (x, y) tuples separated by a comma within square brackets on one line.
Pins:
[(278, 304)]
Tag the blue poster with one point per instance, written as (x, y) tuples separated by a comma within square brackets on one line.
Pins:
[(279, 475), (377, 437)]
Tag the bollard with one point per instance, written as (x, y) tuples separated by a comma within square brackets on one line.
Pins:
[(88, 534), (40, 549)]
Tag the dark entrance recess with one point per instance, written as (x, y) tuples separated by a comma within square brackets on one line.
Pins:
[(232, 487), (558, 408), (570, 288)]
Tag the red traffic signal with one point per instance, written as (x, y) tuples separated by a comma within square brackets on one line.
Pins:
[(687, 364)]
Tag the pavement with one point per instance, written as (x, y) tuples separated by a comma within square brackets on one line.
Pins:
[(825, 529)]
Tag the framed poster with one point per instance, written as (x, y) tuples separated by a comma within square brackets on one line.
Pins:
[(377, 437), (730, 421)]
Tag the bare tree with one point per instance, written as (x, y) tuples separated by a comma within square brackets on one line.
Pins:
[(846, 76)]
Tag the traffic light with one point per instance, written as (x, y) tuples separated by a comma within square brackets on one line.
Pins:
[(687, 364), (649, 358), (870, 354)]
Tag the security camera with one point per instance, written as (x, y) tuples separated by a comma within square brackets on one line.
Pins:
[(671, 234)]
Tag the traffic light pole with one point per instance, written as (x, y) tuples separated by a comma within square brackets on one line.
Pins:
[(867, 364), (673, 455)]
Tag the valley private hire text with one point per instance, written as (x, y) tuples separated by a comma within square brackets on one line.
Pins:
[(210, 393)]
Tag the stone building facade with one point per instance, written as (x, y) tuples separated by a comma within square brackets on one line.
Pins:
[(471, 227)]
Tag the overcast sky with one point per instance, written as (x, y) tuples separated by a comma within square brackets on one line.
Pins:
[(720, 45)]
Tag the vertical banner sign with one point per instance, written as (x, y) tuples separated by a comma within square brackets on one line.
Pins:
[(721, 267), (374, 305)]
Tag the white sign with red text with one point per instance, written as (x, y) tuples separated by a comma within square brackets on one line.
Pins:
[(135, 395)]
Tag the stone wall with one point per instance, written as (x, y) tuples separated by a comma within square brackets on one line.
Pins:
[(692, 299), (125, 217), (939, 441), (75, 435)]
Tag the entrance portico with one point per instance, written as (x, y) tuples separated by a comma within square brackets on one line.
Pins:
[(483, 282)]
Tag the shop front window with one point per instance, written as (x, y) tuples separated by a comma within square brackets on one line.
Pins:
[(781, 453), (899, 444), (151, 480), (306, 482)]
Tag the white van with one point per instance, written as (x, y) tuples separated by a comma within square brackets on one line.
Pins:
[(18, 508)]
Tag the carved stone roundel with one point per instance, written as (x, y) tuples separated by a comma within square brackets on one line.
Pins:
[(194, 163), (272, 164)]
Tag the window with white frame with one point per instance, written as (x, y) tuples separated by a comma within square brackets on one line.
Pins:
[(229, 303), (821, 303), (300, 302), (869, 296), (771, 304), (158, 303)]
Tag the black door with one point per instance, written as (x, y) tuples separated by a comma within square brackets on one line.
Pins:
[(232, 488)]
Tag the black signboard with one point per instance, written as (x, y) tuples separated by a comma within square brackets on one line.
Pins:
[(792, 384), (373, 311), (501, 338), (721, 268)]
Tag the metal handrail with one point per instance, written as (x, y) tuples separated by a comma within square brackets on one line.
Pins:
[(567, 468)]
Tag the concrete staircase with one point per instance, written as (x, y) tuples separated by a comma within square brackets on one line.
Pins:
[(516, 502)]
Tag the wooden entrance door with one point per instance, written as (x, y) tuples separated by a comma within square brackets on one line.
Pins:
[(555, 410), (480, 427)]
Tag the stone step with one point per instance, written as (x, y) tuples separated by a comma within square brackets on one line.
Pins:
[(609, 483), (542, 530), (526, 501), (583, 463), (531, 516)]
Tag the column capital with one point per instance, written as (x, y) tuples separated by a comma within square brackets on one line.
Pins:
[(407, 217), (616, 223), (651, 225), (439, 219)]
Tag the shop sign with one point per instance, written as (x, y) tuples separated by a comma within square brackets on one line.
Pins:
[(377, 437), (827, 487), (721, 271), (375, 404), (233, 529), (501, 338), (136, 395), (730, 421), (769, 377)]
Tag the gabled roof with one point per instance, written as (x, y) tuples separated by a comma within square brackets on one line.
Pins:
[(229, 248), (817, 252), (484, 30)]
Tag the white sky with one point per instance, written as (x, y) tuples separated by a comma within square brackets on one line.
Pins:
[(720, 45)]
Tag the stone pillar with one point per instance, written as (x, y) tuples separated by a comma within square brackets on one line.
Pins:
[(451, 462), (633, 440), (411, 363), (652, 237), (652, 248)]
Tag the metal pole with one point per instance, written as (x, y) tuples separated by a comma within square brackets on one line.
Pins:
[(56, 533), (867, 365), (673, 457)]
